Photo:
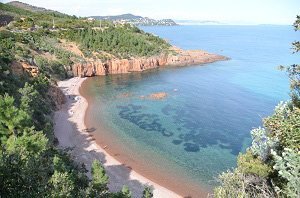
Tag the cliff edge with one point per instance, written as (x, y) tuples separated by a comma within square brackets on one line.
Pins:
[(179, 57)]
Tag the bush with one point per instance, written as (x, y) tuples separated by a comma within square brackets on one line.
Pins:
[(261, 143), (288, 167), (249, 164), (284, 126), (122, 42)]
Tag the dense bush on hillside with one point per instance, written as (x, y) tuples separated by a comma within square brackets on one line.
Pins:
[(123, 41), (271, 166)]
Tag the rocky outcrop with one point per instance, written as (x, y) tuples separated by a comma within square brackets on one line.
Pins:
[(118, 66), (88, 68), (21, 68)]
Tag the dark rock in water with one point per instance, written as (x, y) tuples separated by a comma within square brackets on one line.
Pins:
[(190, 147), (177, 142)]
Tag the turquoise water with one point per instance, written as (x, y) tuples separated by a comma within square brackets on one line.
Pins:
[(205, 121)]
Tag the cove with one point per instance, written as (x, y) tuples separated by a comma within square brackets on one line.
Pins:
[(188, 137)]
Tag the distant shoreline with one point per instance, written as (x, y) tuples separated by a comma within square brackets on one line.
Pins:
[(71, 132)]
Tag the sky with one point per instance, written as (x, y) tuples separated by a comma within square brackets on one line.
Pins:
[(225, 11)]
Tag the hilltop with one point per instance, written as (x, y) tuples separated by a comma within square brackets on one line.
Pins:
[(28, 7), (136, 20)]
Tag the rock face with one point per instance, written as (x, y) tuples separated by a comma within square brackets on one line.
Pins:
[(21, 68), (119, 66), (89, 68)]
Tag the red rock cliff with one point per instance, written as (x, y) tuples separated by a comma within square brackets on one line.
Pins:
[(118, 66)]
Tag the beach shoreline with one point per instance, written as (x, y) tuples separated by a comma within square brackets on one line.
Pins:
[(71, 132)]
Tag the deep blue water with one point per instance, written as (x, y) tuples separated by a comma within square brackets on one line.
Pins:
[(205, 121)]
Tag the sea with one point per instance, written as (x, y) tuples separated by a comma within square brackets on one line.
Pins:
[(204, 122)]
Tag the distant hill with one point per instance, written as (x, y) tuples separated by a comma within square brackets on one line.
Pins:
[(136, 20), (26, 6), (32, 8)]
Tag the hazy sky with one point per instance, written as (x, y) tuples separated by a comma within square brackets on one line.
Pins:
[(228, 11)]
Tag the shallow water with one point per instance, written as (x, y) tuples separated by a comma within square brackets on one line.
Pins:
[(198, 130)]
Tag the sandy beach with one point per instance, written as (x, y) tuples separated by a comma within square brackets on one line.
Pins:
[(71, 132)]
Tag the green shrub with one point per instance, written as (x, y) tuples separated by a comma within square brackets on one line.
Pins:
[(249, 164), (232, 185), (284, 125)]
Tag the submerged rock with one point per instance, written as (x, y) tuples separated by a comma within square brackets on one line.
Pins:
[(190, 147), (158, 96)]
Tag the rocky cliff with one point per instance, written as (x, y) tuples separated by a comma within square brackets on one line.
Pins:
[(118, 66), (20, 68), (91, 67)]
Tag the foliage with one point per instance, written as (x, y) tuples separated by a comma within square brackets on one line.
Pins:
[(147, 192), (30, 144), (12, 119), (123, 41), (261, 143), (288, 167), (126, 192), (7, 40), (61, 184), (100, 179), (249, 164), (232, 185), (236, 184), (24, 165), (294, 74), (284, 126)]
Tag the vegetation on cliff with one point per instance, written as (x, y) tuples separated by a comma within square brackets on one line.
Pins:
[(271, 165), (30, 164), (124, 41)]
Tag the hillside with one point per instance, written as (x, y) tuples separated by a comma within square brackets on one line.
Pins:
[(136, 20), (81, 47), (28, 7), (34, 54), (119, 40), (17, 8)]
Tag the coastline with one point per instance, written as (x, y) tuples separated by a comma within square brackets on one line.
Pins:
[(70, 131)]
